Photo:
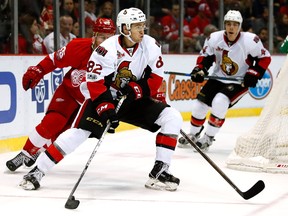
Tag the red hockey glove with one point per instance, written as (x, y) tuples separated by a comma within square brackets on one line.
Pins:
[(32, 76), (132, 90), (106, 111), (198, 74), (160, 96), (251, 78)]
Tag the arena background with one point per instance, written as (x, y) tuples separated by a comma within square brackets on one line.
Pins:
[(21, 111)]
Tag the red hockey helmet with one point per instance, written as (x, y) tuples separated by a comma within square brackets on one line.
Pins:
[(104, 25)]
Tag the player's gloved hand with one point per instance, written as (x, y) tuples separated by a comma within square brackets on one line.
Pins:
[(132, 91), (251, 78), (31, 77), (106, 111), (160, 96), (198, 74)]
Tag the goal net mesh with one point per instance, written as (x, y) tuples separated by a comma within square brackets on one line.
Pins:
[(264, 148)]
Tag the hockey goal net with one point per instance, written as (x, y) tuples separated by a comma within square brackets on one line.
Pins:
[(264, 148)]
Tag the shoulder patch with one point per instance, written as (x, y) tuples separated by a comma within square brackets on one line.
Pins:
[(158, 44), (256, 39), (101, 51)]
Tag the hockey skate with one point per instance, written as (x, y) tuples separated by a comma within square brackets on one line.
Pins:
[(205, 142), (31, 181), (161, 179), (183, 143), (22, 158)]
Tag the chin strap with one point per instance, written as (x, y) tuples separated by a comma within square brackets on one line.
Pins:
[(128, 37)]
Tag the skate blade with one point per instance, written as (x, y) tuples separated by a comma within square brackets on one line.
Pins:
[(155, 184), (27, 185)]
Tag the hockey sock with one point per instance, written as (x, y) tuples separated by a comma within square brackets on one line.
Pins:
[(30, 148), (54, 153), (165, 146)]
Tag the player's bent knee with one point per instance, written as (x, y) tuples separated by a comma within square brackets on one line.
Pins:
[(170, 121), (71, 139), (199, 109), (220, 105)]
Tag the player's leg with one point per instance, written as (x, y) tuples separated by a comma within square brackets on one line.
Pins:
[(220, 105), (199, 110), (227, 96), (160, 177), (53, 123), (25, 156), (152, 116), (198, 117), (65, 143)]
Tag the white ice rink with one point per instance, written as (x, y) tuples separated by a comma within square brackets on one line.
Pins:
[(114, 181)]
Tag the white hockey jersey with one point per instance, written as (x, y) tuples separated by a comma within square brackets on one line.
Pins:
[(125, 64), (233, 59)]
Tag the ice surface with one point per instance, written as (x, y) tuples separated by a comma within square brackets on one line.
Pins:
[(114, 181)]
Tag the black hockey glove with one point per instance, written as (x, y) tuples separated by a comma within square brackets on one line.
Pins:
[(106, 111), (132, 91), (251, 78), (198, 74)]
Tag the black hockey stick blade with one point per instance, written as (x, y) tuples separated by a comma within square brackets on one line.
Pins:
[(253, 191), (71, 203)]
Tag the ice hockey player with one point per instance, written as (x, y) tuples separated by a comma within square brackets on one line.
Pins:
[(235, 54), (67, 98), (131, 65)]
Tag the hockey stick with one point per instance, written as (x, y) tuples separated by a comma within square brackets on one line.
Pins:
[(239, 79), (71, 202), (253, 191)]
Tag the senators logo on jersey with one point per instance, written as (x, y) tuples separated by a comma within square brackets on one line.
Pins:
[(228, 66), (124, 75)]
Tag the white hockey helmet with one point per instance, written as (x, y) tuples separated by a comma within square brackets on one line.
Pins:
[(128, 17), (233, 15)]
